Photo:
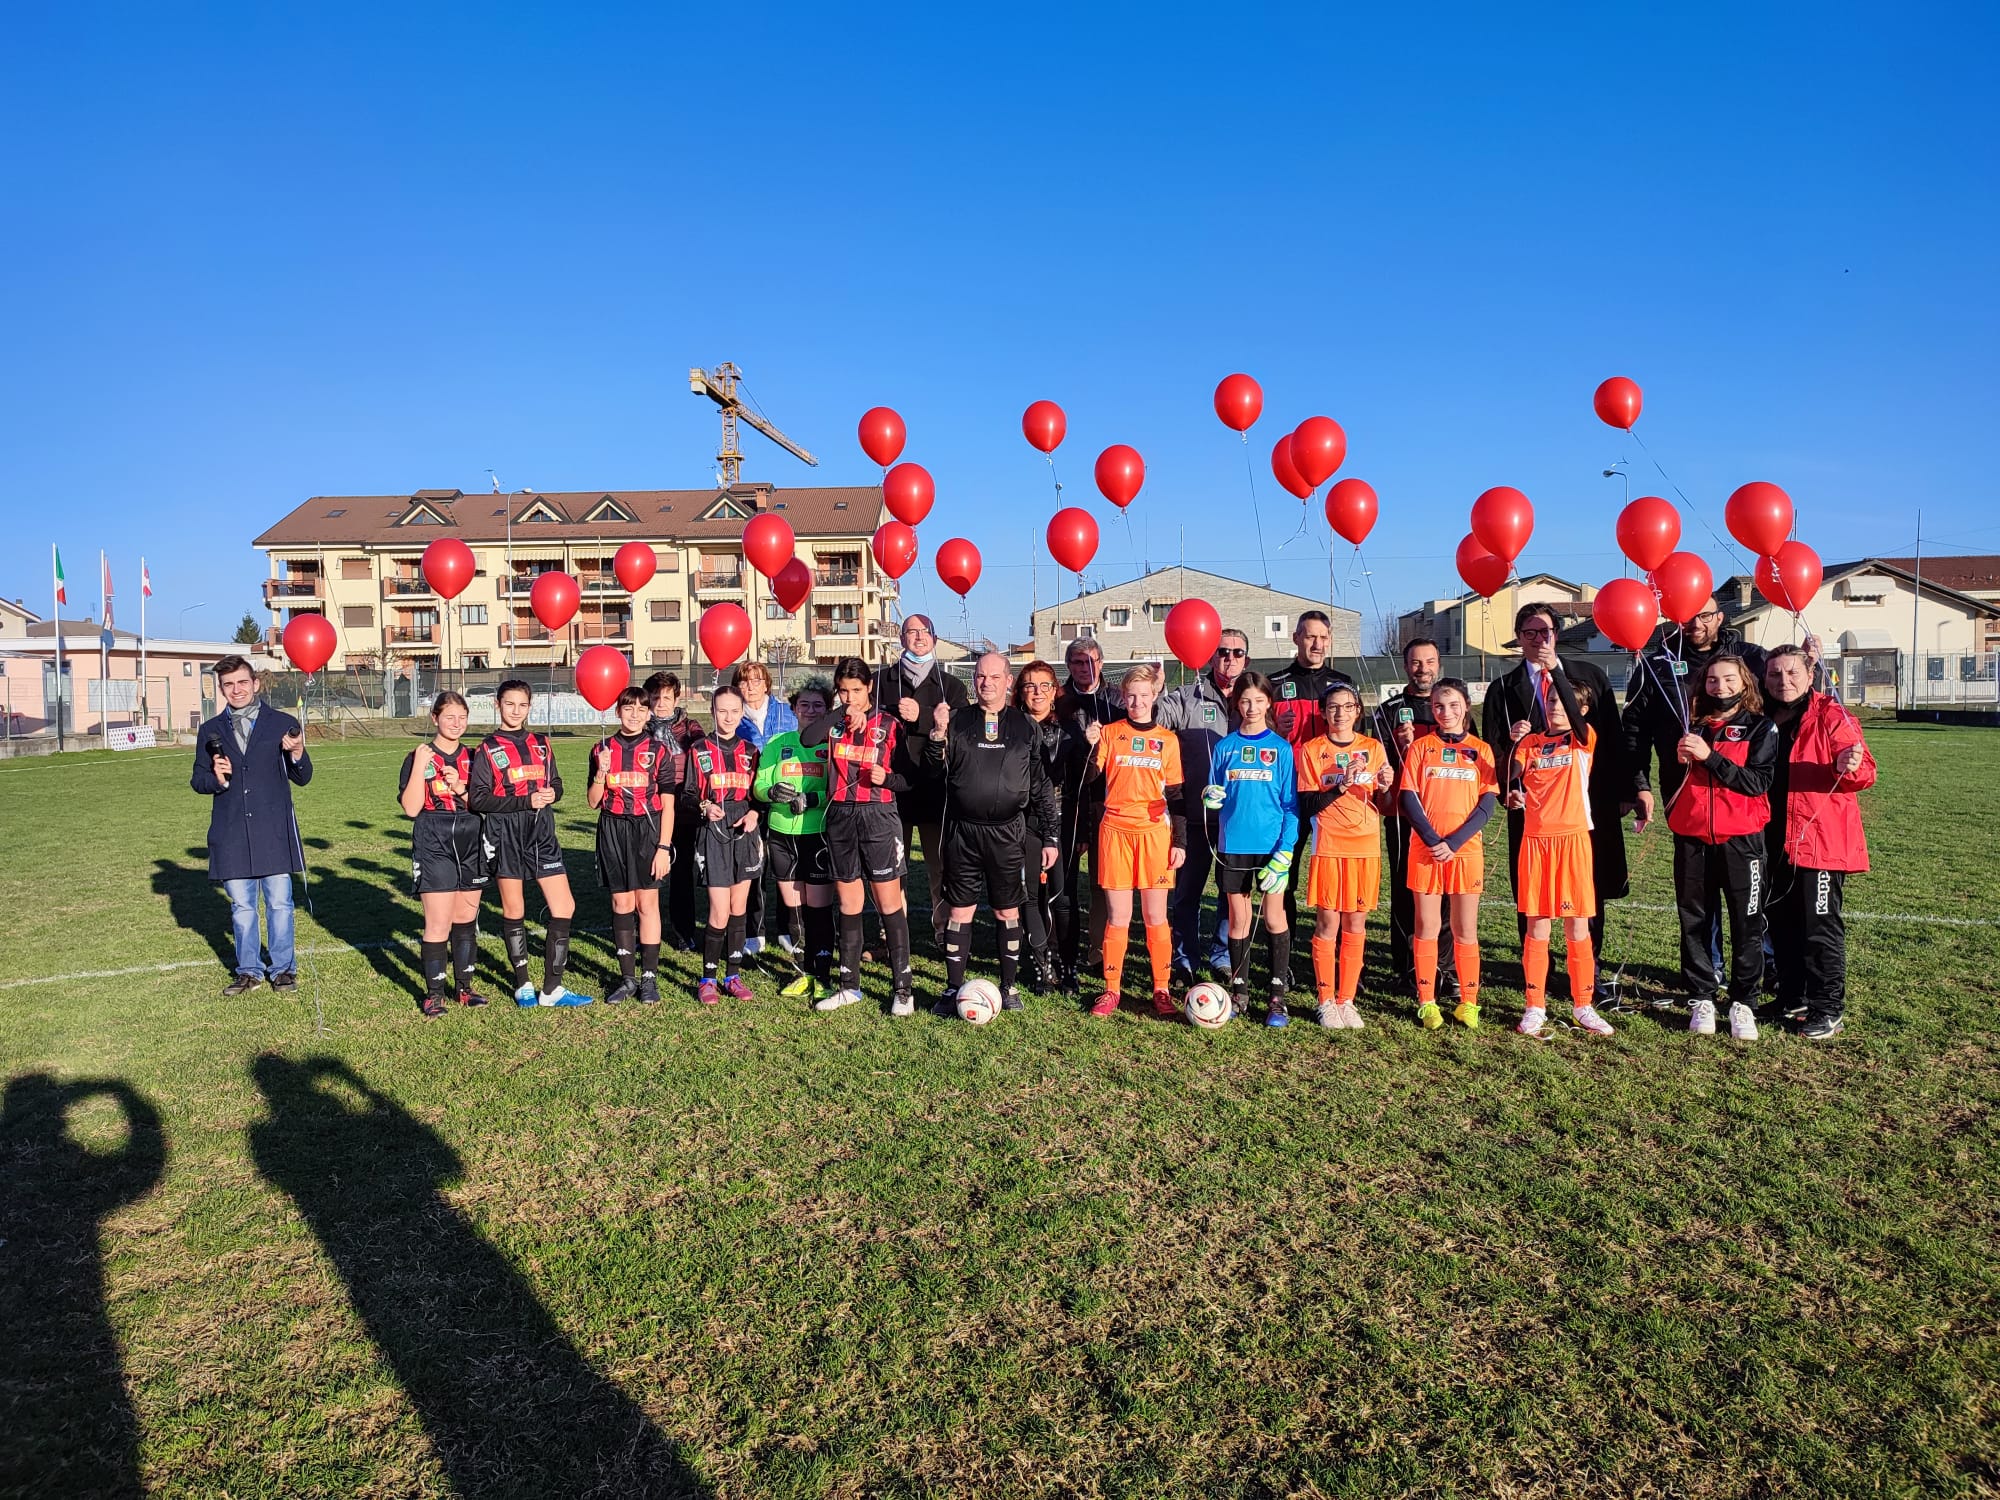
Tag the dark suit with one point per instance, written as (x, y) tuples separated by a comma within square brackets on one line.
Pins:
[(253, 839)]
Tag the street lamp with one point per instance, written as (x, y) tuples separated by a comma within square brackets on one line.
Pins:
[(1616, 472), (182, 627)]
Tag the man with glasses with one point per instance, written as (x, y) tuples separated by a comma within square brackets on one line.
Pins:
[(1200, 714)]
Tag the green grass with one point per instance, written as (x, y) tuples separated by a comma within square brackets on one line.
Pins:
[(760, 1252)]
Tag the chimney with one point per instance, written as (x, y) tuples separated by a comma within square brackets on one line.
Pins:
[(1746, 591)]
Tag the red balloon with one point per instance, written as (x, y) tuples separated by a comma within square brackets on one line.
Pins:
[(601, 675), (1483, 573), (1193, 627), (634, 564), (310, 642), (1043, 424), (1287, 474), (1618, 402), (909, 492), (554, 598), (1072, 538), (1683, 583), (882, 434), (1318, 448), (1760, 517), (1790, 576), (768, 543), (448, 566), (958, 565), (724, 633), (793, 582), (1120, 472), (1239, 401), (1351, 508), (895, 548), (1626, 612), (1648, 529), (1503, 520)]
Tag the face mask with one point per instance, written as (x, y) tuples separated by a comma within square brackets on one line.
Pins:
[(1724, 706)]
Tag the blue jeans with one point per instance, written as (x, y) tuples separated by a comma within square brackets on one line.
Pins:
[(277, 891)]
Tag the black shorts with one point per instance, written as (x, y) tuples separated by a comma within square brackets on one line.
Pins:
[(625, 849), (799, 856), (864, 841), (724, 859), (983, 863), (523, 845), (446, 853), (1236, 874)]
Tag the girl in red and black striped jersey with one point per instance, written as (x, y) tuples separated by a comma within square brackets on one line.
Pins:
[(864, 829), (515, 784), (721, 765), (631, 787), (447, 860)]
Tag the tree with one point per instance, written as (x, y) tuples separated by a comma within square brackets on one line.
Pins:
[(247, 633)]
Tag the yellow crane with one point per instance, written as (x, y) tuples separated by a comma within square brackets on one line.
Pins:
[(720, 388)]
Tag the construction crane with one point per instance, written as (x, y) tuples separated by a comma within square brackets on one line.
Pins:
[(721, 389)]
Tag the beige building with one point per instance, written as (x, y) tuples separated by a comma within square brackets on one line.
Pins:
[(15, 618), (357, 559), (1467, 625), (1128, 620)]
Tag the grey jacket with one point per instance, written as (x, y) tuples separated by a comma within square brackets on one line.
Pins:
[(1199, 716)]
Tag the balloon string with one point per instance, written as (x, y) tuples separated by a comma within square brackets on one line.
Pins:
[(1305, 509), (1692, 507), (1053, 479), (1256, 514)]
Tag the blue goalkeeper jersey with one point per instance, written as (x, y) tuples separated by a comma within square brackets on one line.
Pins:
[(1260, 804)]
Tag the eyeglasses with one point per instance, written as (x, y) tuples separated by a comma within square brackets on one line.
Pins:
[(1536, 634), (1708, 614), (1038, 687), (1231, 651)]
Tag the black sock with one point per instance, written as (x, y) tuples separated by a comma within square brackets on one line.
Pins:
[(1010, 952), (954, 955), (1239, 960), (625, 938), (819, 941), (795, 925), (514, 933), (437, 967), (733, 941), (464, 954), (649, 959), (851, 928), (555, 953), (898, 924), (1278, 944), (712, 939)]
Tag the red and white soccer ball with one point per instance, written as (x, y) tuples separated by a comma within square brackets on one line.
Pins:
[(978, 1001), (1208, 1006)]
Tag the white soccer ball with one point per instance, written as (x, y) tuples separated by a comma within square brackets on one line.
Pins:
[(978, 1001), (1208, 1005)]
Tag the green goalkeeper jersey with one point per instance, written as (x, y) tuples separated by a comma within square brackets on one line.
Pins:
[(784, 759)]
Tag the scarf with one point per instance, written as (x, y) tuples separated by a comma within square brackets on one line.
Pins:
[(916, 667)]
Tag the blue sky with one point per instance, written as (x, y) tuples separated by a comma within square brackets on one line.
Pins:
[(260, 254)]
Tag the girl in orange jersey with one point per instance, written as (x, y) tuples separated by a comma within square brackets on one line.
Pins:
[(1551, 781), (1345, 783), (1143, 838), (1449, 789)]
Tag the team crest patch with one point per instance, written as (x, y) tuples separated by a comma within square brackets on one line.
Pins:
[(1450, 756), (880, 734), (1156, 747), (1248, 755), (1290, 690), (1267, 757), (644, 760), (499, 754), (703, 760), (1733, 732)]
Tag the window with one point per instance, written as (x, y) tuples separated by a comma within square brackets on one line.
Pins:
[(607, 509), (773, 610), (672, 656), (471, 614), (1068, 629), (358, 617), (1087, 630), (1117, 617), (670, 560), (1156, 611), (356, 569), (666, 609), (335, 515), (476, 662), (1274, 627), (187, 669)]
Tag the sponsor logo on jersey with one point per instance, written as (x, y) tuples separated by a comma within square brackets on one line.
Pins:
[(1251, 774), (1455, 773)]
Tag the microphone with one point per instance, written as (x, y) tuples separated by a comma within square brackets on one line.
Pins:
[(214, 748)]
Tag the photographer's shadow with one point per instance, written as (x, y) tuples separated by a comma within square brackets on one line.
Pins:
[(510, 1406)]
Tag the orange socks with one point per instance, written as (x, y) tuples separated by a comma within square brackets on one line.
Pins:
[(1160, 949), (1115, 939), (1582, 972), (1323, 965), (1425, 952), (1465, 957), (1535, 970), (1351, 944)]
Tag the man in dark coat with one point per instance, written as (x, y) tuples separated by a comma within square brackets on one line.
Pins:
[(247, 758), (911, 688), (1517, 698)]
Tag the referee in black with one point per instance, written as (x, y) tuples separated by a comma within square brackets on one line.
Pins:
[(996, 797)]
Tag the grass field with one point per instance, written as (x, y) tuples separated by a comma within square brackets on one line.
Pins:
[(760, 1252)]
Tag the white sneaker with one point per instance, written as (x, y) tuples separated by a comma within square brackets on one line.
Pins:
[(1350, 1017), (1742, 1023), (1531, 1020), (752, 947), (837, 999), (1701, 1017), (1329, 1016), (785, 942), (904, 1004), (1587, 1019)]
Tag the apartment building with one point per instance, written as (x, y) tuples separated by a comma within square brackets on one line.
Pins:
[(357, 559)]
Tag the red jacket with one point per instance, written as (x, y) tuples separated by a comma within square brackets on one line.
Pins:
[(1822, 814), (1729, 794)]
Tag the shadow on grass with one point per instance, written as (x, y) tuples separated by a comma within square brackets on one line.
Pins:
[(66, 1424), (363, 910), (510, 1406), (196, 903)]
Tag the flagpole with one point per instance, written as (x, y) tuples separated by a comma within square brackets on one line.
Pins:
[(145, 588), (104, 648), (56, 591)]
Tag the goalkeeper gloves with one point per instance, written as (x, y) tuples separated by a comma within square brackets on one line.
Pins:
[(1212, 797), (1276, 875)]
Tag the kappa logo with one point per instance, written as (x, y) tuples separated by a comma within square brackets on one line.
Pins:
[(1756, 887), (1822, 893)]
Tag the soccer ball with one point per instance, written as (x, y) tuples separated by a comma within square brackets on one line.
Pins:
[(978, 1001), (1208, 1006)]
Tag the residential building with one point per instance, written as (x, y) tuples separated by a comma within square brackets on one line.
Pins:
[(1128, 620), (357, 559), (1977, 577), (1467, 625), (15, 618)]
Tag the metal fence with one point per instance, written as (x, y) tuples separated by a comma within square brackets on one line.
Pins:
[(1957, 680)]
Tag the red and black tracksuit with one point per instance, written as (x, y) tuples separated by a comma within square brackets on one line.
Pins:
[(1718, 817), (1815, 843)]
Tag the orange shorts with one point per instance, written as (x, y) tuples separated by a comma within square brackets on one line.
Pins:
[(1464, 874), (1344, 882), (1133, 859), (1554, 877)]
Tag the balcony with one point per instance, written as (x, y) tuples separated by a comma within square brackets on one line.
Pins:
[(616, 630), (599, 583), (728, 581), (404, 587), (533, 631), (411, 635), (836, 578), (306, 587), (836, 627)]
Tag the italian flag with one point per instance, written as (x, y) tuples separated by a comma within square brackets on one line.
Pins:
[(62, 594)]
